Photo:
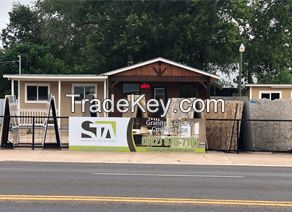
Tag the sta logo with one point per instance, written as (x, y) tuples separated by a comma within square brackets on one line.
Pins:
[(99, 130)]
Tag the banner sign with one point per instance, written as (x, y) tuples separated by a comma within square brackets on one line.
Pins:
[(92, 133), (136, 134)]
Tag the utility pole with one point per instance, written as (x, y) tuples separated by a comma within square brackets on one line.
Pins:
[(241, 50), (19, 64)]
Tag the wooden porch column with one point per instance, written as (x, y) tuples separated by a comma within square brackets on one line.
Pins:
[(208, 90), (59, 97), (105, 95), (12, 87), (18, 96)]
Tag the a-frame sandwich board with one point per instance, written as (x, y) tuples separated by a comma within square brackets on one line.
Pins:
[(5, 144), (52, 108)]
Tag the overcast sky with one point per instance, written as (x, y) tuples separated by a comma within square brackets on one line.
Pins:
[(5, 7)]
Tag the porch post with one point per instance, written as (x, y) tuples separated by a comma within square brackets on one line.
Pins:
[(208, 90), (105, 95), (12, 87), (59, 97), (18, 96), (208, 86)]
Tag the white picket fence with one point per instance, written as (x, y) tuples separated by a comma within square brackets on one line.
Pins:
[(32, 113)]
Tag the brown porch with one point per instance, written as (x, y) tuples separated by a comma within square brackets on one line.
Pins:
[(159, 79)]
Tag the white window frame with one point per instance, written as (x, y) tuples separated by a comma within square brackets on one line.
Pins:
[(270, 92), (37, 85), (155, 92), (84, 85)]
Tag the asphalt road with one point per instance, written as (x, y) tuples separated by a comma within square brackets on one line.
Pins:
[(126, 187)]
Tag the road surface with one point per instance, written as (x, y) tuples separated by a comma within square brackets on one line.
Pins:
[(127, 187)]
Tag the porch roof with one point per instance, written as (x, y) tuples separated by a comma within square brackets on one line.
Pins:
[(55, 77), (269, 85)]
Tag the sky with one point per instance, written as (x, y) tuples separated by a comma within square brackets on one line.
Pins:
[(5, 7)]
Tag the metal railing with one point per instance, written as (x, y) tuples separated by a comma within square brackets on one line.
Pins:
[(36, 135), (234, 134)]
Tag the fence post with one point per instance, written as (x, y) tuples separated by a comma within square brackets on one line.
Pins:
[(33, 127)]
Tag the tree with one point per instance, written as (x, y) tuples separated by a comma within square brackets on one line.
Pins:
[(23, 26), (266, 31), (98, 36), (36, 59)]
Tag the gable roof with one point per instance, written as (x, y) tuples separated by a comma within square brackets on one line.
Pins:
[(160, 59)]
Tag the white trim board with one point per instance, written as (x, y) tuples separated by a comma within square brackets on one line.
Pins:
[(159, 59), (44, 77), (269, 85)]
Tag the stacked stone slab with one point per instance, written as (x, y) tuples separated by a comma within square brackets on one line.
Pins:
[(178, 114), (187, 117), (222, 135), (135, 113), (271, 135)]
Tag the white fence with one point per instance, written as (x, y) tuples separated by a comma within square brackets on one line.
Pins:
[(32, 113)]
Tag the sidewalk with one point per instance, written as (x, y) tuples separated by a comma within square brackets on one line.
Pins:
[(209, 158)]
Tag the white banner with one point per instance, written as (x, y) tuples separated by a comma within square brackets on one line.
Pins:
[(86, 133)]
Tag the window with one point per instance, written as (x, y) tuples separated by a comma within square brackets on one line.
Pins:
[(265, 96), (37, 93), (131, 88), (159, 93), (43, 93), (84, 91), (275, 96), (271, 95)]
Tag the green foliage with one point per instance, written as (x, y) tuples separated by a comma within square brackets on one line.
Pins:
[(23, 27), (36, 59), (97, 36), (266, 31)]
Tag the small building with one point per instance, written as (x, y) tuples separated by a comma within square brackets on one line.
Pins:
[(268, 91), (157, 78), (33, 92)]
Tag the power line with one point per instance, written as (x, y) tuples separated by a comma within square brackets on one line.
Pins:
[(11, 61), (14, 61)]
